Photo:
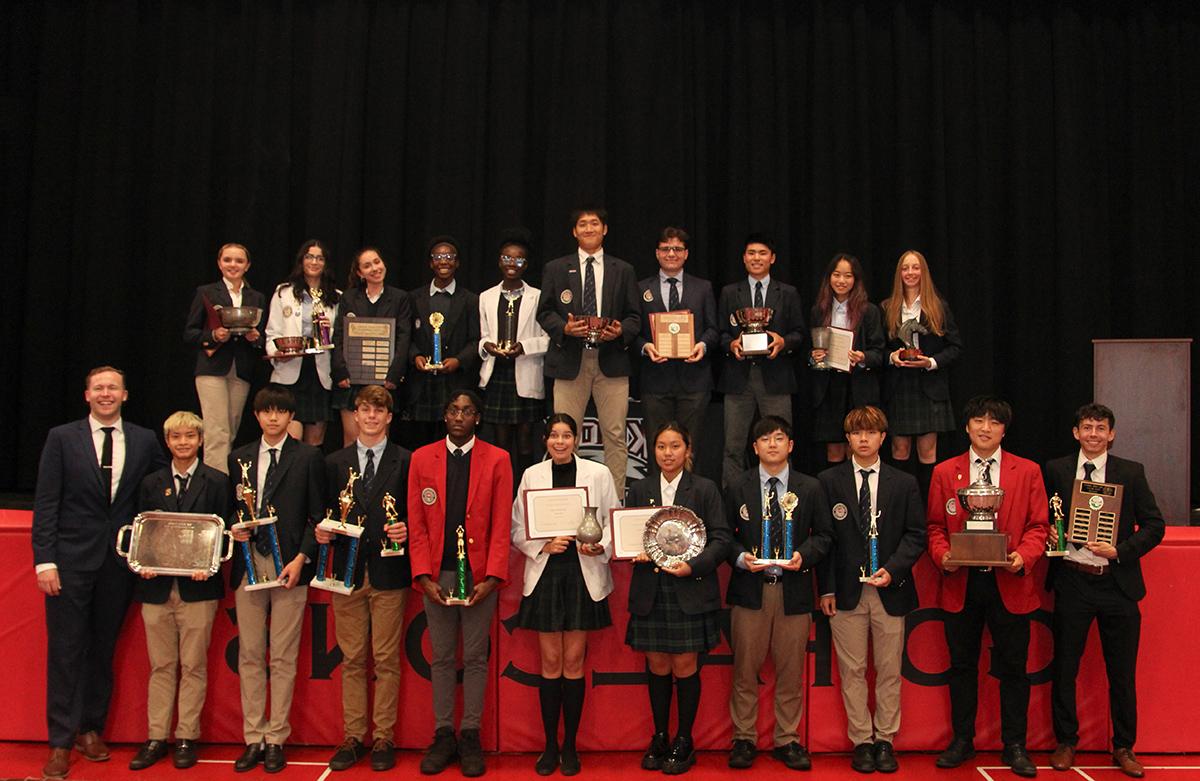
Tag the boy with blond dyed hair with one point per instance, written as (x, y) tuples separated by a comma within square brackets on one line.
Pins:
[(178, 612)]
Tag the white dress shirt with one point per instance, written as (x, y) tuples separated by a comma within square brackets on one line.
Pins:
[(235, 296), (264, 463), (118, 454), (667, 489), (451, 447), (597, 272), (977, 469), (434, 289), (766, 283), (872, 483), (839, 315)]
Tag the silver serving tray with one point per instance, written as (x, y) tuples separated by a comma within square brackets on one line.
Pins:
[(673, 534), (166, 543)]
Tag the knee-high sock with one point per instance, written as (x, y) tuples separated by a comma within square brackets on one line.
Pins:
[(550, 695), (924, 474), (688, 691), (572, 706), (660, 700)]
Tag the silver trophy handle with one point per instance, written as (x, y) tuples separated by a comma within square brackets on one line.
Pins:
[(227, 555), (120, 532)]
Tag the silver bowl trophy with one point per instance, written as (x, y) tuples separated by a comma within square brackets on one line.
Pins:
[(753, 321), (820, 341), (673, 534), (324, 579), (250, 521), (594, 326), (238, 320), (979, 544)]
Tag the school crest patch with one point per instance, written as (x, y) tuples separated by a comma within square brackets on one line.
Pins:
[(840, 511), (744, 513), (951, 506), (428, 496), (565, 296), (647, 296)]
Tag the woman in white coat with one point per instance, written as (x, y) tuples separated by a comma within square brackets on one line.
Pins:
[(512, 383), (307, 376), (566, 589)]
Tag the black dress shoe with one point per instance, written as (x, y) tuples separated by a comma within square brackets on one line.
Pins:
[(682, 756), (348, 753), (443, 750), (742, 755), (383, 755), (885, 757), (547, 761), (1014, 756), (470, 754), (249, 758), (660, 746), (793, 755), (184, 755), (150, 752), (273, 760), (569, 761), (959, 751), (863, 760)]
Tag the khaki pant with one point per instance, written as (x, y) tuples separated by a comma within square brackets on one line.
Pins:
[(177, 637), (380, 615), (611, 395), (754, 632), (222, 400), (285, 610), (851, 630)]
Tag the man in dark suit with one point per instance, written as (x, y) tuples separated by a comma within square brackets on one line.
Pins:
[(771, 604), (1102, 583), (759, 384), (872, 502), (87, 488), (1001, 597), (457, 482), (288, 481), (371, 617), (429, 387), (178, 612), (225, 362), (590, 282), (676, 389)]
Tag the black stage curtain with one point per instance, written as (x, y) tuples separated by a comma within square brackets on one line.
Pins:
[(1043, 155)]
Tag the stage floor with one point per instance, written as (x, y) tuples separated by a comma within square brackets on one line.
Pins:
[(24, 761)]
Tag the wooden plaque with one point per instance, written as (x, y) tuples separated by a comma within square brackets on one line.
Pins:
[(1095, 512), (370, 345), (674, 333)]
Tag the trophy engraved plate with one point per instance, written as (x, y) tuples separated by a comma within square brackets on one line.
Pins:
[(1095, 512), (673, 534), (166, 543), (324, 579), (753, 321), (674, 333), (370, 344), (979, 545)]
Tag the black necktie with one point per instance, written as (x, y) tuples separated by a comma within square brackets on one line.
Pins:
[(183, 486), (106, 455), (269, 483), (1088, 468), (776, 520), (369, 471), (673, 294), (864, 501), (458, 452), (758, 296), (589, 288), (986, 466)]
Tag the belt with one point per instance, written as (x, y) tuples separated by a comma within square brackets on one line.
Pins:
[(1095, 570), (771, 580)]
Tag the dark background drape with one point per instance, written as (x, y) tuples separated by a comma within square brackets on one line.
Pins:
[(1043, 155)]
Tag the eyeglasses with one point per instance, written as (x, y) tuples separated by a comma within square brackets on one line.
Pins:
[(672, 250), (506, 259), (310, 256), (444, 256), (455, 412)]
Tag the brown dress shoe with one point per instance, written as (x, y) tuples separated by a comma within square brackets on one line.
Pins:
[(1063, 757), (91, 746), (58, 764), (1124, 759)]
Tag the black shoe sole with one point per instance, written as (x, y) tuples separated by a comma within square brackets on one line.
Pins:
[(672, 768)]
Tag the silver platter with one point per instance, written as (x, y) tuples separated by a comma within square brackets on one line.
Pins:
[(167, 543), (673, 534)]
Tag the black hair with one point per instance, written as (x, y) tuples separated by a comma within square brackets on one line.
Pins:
[(560, 417), (983, 406), (759, 237), (274, 396), (599, 211), (471, 395), (1094, 411), (769, 424), (299, 284)]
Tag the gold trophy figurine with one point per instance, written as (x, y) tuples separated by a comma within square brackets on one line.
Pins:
[(389, 510), (436, 320), (1056, 543)]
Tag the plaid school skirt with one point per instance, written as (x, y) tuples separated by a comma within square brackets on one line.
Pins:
[(502, 405), (667, 629), (911, 412), (560, 601)]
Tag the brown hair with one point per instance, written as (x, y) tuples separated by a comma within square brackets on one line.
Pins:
[(242, 247), (375, 395), (100, 370), (865, 419), (856, 299), (931, 302)]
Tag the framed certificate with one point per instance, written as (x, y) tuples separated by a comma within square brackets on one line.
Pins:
[(553, 512), (628, 525), (674, 333), (370, 343)]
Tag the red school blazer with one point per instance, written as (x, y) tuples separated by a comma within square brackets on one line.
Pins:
[(1023, 517), (489, 510)]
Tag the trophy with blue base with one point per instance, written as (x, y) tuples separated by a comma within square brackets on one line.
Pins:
[(434, 364), (868, 575), (325, 578), (250, 521), (788, 503)]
